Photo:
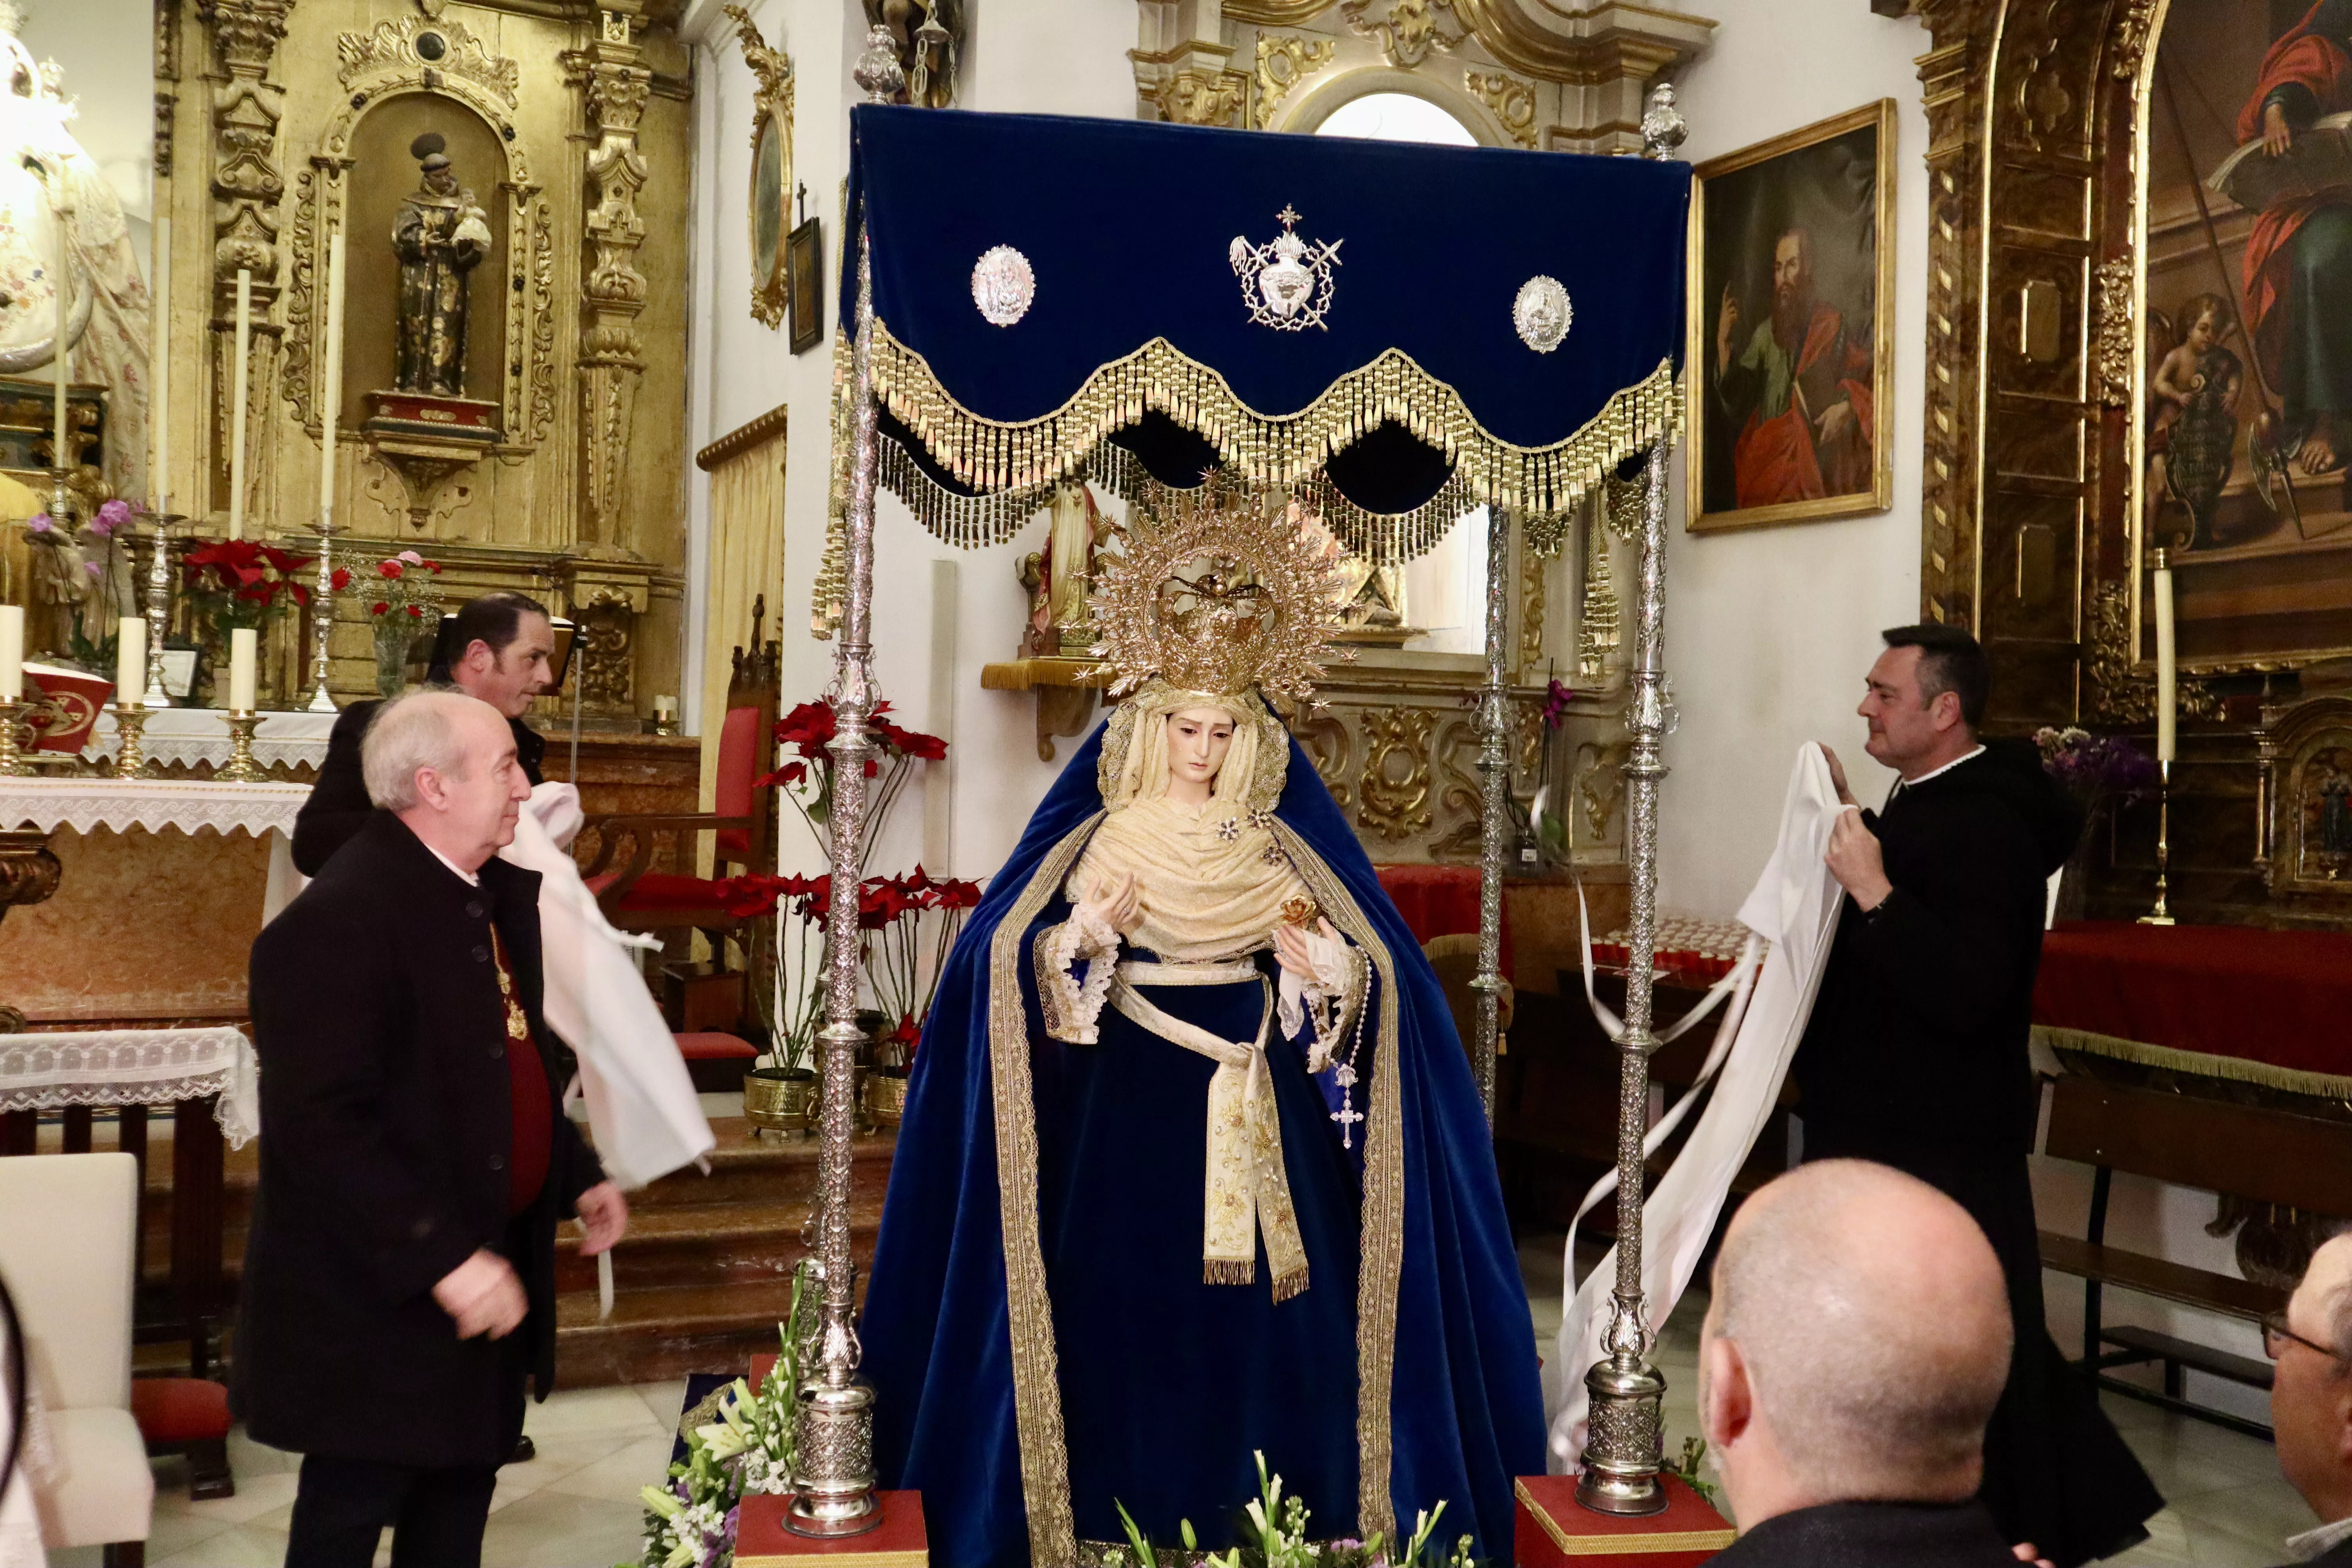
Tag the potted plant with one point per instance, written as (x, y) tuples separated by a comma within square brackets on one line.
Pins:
[(903, 961), (239, 583), (406, 606), (2094, 770)]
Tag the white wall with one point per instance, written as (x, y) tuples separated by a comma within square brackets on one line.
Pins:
[(1768, 630)]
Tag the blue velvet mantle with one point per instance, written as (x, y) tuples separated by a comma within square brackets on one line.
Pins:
[(1126, 227), (1165, 1384)]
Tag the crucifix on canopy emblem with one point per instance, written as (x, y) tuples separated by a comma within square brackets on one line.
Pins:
[(1286, 281)]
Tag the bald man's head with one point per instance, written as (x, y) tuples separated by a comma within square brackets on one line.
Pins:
[(1867, 1319)]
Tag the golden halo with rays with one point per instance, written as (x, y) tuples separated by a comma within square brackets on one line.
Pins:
[(1218, 590)]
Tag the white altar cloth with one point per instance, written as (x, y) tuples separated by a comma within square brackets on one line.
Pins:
[(191, 735), (49, 1071), (189, 804)]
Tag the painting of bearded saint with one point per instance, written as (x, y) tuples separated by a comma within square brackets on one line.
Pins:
[(1788, 412)]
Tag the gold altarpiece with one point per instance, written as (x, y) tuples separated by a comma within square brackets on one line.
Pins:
[(281, 122)]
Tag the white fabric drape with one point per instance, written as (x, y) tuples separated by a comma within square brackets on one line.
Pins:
[(647, 1119), (1794, 908)]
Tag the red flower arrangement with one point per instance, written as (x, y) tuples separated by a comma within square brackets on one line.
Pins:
[(405, 580), (914, 918), (243, 582), (807, 783)]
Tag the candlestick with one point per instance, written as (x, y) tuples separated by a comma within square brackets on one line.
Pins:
[(241, 768), (158, 607), (60, 442), (159, 365), (329, 395), (242, 649), (12, 652), (2166, 667), (129, 734), (237, 405), (130, 659), (2162, 914), (13, 764)]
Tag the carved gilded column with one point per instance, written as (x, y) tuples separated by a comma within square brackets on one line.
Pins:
[(615, 83), (247, 185)]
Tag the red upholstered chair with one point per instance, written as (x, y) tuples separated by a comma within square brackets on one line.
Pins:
[(643, 866), (187, 1415)]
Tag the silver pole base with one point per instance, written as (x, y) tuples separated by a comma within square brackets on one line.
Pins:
[(1627, 1449), (835, 1478)]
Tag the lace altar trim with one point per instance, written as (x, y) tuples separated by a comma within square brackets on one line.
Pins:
[(121, 804), (193, 735), (135, 1067)]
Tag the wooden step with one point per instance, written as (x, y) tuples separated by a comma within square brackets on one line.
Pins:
[(658, 1335), (717, 1243)]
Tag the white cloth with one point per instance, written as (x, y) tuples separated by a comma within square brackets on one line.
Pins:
[(2318, 1540), (1794, 906), (647, 1118), (51, 1071), (20, 1526)]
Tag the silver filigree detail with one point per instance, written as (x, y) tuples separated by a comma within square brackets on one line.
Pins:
[(1542, 313), (1003, 285), (1286, 282)]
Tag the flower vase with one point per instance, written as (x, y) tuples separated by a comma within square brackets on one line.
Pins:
[(2074, 876), (392, 639)]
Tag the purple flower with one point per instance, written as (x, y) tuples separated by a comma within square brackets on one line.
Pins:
[(39, 522), (93, 568), (111, 515)]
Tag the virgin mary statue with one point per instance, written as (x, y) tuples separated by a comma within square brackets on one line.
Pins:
[(1192, 1167)]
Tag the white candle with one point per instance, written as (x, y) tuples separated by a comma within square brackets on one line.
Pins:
[(12, 653), (159, 364), (236, 405), (61, 444), (2166, 672), (130, 660), (241, 651), (665, 709), (330, 390)]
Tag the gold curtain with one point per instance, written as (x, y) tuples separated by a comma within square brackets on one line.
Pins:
[(747, 562)]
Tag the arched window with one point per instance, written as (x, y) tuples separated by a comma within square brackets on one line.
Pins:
[(1396, 117)]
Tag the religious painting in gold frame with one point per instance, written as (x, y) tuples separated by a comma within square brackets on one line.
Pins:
[(1787, 377), (2244, 475), (806, 265), (768, 218)]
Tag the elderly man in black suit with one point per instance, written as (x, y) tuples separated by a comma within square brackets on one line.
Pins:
[(400, 1276), (2310, 1401), (501, 646), (1854, 1347)]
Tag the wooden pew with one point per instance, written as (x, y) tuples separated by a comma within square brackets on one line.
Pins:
[(2252, 1151)]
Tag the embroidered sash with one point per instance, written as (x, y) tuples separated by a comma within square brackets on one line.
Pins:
[(1247, 1189)]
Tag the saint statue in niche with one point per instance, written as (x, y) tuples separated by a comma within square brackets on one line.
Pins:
[(440, 235), (1193, 1164)]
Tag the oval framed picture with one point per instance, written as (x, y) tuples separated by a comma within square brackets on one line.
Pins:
[(772, 178)]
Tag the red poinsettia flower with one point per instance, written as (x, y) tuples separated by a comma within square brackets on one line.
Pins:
[(956, 895)]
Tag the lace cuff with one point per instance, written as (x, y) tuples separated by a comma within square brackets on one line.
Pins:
[(1072, 1004), (1330, 1001)]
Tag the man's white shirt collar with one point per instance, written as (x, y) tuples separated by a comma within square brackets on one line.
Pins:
[(1948, 767), (469, 878), (2313, 1543)]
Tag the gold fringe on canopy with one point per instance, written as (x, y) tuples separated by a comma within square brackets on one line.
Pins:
[(1017, 465), (2200, 1064)]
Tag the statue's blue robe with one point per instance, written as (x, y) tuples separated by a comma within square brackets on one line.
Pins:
[(1144, 1384)]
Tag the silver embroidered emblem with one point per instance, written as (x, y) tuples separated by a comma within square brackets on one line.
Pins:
[(1542, 313), (1003, 285), (1286, 282)]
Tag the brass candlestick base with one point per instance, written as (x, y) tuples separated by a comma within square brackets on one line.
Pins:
[(13, 764), (241, 768), (2162, 914), (131, 729)]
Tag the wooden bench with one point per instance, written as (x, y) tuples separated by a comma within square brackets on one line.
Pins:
[(2252, 1151)]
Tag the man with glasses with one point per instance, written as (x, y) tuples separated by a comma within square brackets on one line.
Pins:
[(2311, 1400)]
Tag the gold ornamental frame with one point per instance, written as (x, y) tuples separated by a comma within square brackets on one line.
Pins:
[(378, 66), (1879, 496), (770, 215)]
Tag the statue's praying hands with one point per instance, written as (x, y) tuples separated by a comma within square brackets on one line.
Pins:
[(1118, 905)]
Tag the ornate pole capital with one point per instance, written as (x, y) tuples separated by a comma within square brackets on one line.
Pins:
[(1662, 126), (879, 74)]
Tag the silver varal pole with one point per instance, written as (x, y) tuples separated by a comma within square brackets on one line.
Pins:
[(322, 616), (1621, 1457), (159, 604), (835, 1477), (1494, 771)]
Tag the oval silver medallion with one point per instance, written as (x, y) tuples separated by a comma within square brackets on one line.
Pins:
[(1003, 285), (1542, 313)]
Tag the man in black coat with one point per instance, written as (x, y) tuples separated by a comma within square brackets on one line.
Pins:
[(1915, 1054), (500, 649), (400, 1274), (1856, 1339), (2311, 1400)]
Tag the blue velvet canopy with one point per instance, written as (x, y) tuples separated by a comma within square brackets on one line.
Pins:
[(1133, 298)]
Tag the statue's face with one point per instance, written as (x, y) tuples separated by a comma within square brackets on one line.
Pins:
[(1198, 739), (441, 181)]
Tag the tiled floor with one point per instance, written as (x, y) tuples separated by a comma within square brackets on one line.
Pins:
[(575, 1505)]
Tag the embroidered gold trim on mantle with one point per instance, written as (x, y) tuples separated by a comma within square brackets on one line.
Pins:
[(994, 455)]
